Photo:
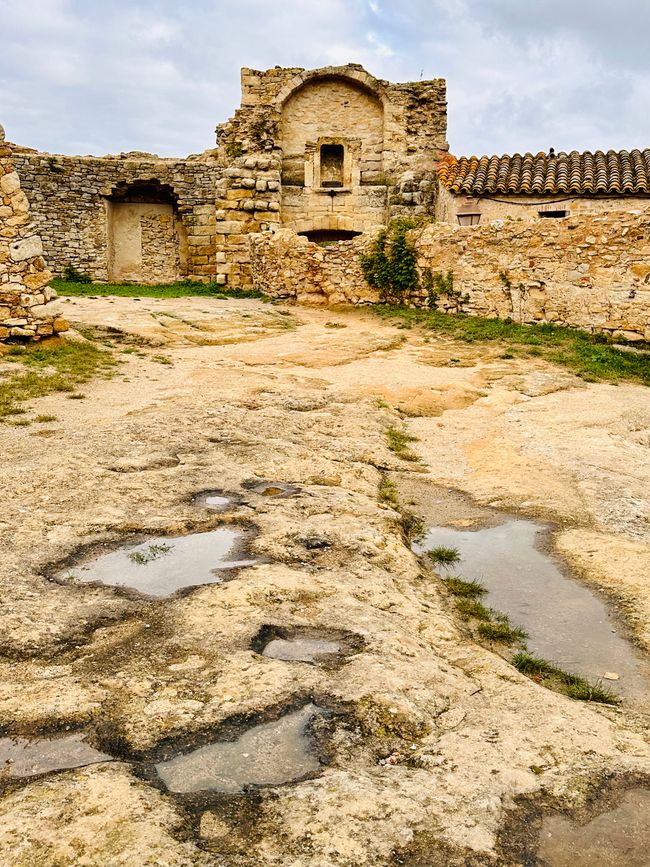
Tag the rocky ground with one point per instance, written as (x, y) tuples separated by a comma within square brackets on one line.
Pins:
[(436, 751)]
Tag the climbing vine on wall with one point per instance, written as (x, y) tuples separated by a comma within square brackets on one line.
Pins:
[(390, 265)]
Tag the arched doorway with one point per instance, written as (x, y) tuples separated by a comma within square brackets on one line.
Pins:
[(146, 238)]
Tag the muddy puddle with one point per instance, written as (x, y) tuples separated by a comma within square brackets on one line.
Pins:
[(566, 623), (301, 649), (269, 754), (616, 838), (20, 757), (162, 565), (329, 648)]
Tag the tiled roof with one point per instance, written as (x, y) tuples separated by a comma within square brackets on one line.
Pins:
[(614, 172)]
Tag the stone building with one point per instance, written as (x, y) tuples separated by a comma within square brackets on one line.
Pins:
[(313, 162), (329, 153)]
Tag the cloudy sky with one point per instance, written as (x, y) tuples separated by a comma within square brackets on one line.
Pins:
[(103, 76)]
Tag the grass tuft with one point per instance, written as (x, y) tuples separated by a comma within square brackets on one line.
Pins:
[(553, 677), (501, 632), (388, 492), (398, 442), (443, 556), (473, 609), (467, 589)]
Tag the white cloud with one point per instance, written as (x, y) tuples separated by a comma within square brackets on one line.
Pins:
[(90, 76)]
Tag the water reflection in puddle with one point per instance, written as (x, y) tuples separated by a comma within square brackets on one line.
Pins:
[(301, 649), (565, 621), (27, 758), (616, 838), (162, 565), (266, 755), (213, 500)]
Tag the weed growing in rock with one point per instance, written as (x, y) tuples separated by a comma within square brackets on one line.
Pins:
[(468, 589), (501, 632), (472, 609), (443, 556), (398, 444), (388, 492), (553, 677)]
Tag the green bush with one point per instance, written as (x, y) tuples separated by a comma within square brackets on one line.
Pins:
[(390, 266)]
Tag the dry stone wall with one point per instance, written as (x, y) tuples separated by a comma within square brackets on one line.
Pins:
[(70, 200), (590, 272), (26, 311)]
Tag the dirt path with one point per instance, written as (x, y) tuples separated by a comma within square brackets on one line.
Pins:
[(431, 738)]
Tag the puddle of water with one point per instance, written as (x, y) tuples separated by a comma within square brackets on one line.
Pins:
[(566, 623), (617, 838), (301, 649), (27, 758), (266, 755), (162, 565), (214, 501)]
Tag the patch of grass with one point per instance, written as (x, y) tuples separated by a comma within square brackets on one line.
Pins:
[(553, 677), (501, 632), (60, 368), (468, 589), (472, 609), (335, 325), (179, 289), (162, 359), (388, 492), (412, 525), (398, 442), (591, 356), (443, 556), (152, 552), (43, 419), (77, 396)]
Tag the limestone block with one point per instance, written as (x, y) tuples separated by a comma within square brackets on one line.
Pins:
[(9, 183), (26, 248)]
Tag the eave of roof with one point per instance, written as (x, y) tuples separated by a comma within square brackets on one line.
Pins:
[(599, 173)]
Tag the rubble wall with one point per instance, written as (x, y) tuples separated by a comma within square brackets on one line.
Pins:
[(591, 271), (26, 308), (70, 200)]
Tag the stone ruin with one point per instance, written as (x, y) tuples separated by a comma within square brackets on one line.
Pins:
[(26, 309), (309, 168)]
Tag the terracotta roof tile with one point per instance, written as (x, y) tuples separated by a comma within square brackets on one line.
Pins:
[(614, 172)]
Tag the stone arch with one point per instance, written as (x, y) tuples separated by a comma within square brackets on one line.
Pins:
[(336, 104), (147, 240)]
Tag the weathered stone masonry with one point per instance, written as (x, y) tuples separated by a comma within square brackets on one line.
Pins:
[(329, 156), (26, 311), (590, 272)]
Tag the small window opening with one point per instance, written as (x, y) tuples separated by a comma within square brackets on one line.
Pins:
[(324, 237), (331, 165), (552, 214)]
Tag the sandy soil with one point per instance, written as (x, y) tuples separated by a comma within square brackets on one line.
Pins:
[(209, 395)]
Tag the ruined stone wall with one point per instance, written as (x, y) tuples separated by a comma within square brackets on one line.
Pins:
[(69, 199), (590, 272), (392, 134), (26, 311)]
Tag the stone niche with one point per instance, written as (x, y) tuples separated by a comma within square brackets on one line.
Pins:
[(332, 132), (147, 242)]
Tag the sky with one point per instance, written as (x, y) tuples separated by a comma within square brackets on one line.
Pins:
[(104, 76)]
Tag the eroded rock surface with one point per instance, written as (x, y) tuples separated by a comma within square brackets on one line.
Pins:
[(438, 735)]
